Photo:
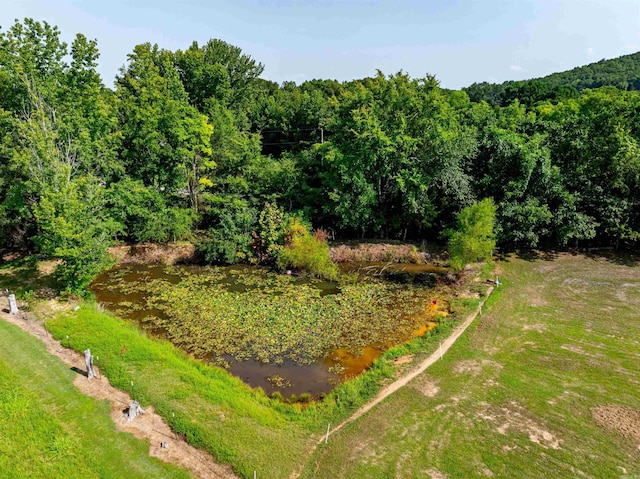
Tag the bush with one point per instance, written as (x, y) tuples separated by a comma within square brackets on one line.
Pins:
[(231, 242), (309, 254), (474, 239), (171, 224)]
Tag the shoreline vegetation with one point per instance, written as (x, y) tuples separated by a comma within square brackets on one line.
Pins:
[(192, 145), (243, 427), (214, 410)]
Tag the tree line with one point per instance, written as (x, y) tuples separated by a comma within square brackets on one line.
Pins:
[(195, 145)]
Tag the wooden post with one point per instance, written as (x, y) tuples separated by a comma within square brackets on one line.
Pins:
[(13, 305), (173, 416), (88, 361), (326, 440), (134, 410)]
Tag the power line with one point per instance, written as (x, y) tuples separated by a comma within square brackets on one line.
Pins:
[(287, 131), (288, 143)]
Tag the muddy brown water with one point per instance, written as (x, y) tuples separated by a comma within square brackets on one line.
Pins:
[(288, 378)]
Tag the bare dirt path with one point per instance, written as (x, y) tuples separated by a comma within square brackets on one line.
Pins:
[(404, 380), (148, 426), (414, 372)]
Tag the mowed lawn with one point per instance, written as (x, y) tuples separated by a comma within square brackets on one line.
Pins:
[(546, 383), (48, 429)]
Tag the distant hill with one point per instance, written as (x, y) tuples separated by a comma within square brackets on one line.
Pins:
[(622, 72)]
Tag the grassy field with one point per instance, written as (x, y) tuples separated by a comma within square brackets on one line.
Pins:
[(545, 384), (49, 429)]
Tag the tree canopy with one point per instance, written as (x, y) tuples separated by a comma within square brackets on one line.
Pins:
[(194, 144)]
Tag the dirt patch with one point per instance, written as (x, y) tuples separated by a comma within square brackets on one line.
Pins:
[(538, 327), (435, 474), (426, 386), (375, 252), (515, 417), (403, 359), (623, 419), (171, 253), (148, 426), (535, 295), (474, 366), (573, 348), (46, 268)]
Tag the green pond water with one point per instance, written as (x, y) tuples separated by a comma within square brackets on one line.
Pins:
[(278, 332)]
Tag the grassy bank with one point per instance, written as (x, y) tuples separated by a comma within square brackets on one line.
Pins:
[(544, 384), (49, 429), (214, 410)]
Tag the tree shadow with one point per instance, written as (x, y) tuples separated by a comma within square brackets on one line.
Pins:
[(618, 257), (536, 255), (22, 274)]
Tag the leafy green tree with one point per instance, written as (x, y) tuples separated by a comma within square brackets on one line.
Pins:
[(473, 239), (399, 149), (31, 54), (62, 124), (73, 227), (231, 240), (594, 141), (143, 213), (166, 141), (217, 70)]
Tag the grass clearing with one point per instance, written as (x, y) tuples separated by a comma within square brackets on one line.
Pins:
[(523, 393), (50, 429)]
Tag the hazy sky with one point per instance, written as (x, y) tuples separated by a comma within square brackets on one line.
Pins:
[(458, 41)]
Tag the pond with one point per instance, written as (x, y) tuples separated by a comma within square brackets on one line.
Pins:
[(279, 332)]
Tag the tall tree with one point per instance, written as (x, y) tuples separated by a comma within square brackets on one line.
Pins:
[(217, 70), (166, 141)]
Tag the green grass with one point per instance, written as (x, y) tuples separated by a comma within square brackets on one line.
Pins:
[(49, 429), (216, 411), (513, 398)]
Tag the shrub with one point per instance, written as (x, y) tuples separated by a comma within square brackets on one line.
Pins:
[(230, 242), (474, 239), (306, 252)]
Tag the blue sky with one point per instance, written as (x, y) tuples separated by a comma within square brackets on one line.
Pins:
[(458, 41)]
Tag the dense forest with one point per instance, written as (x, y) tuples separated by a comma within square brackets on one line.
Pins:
[(622, 73), (195, 145)]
